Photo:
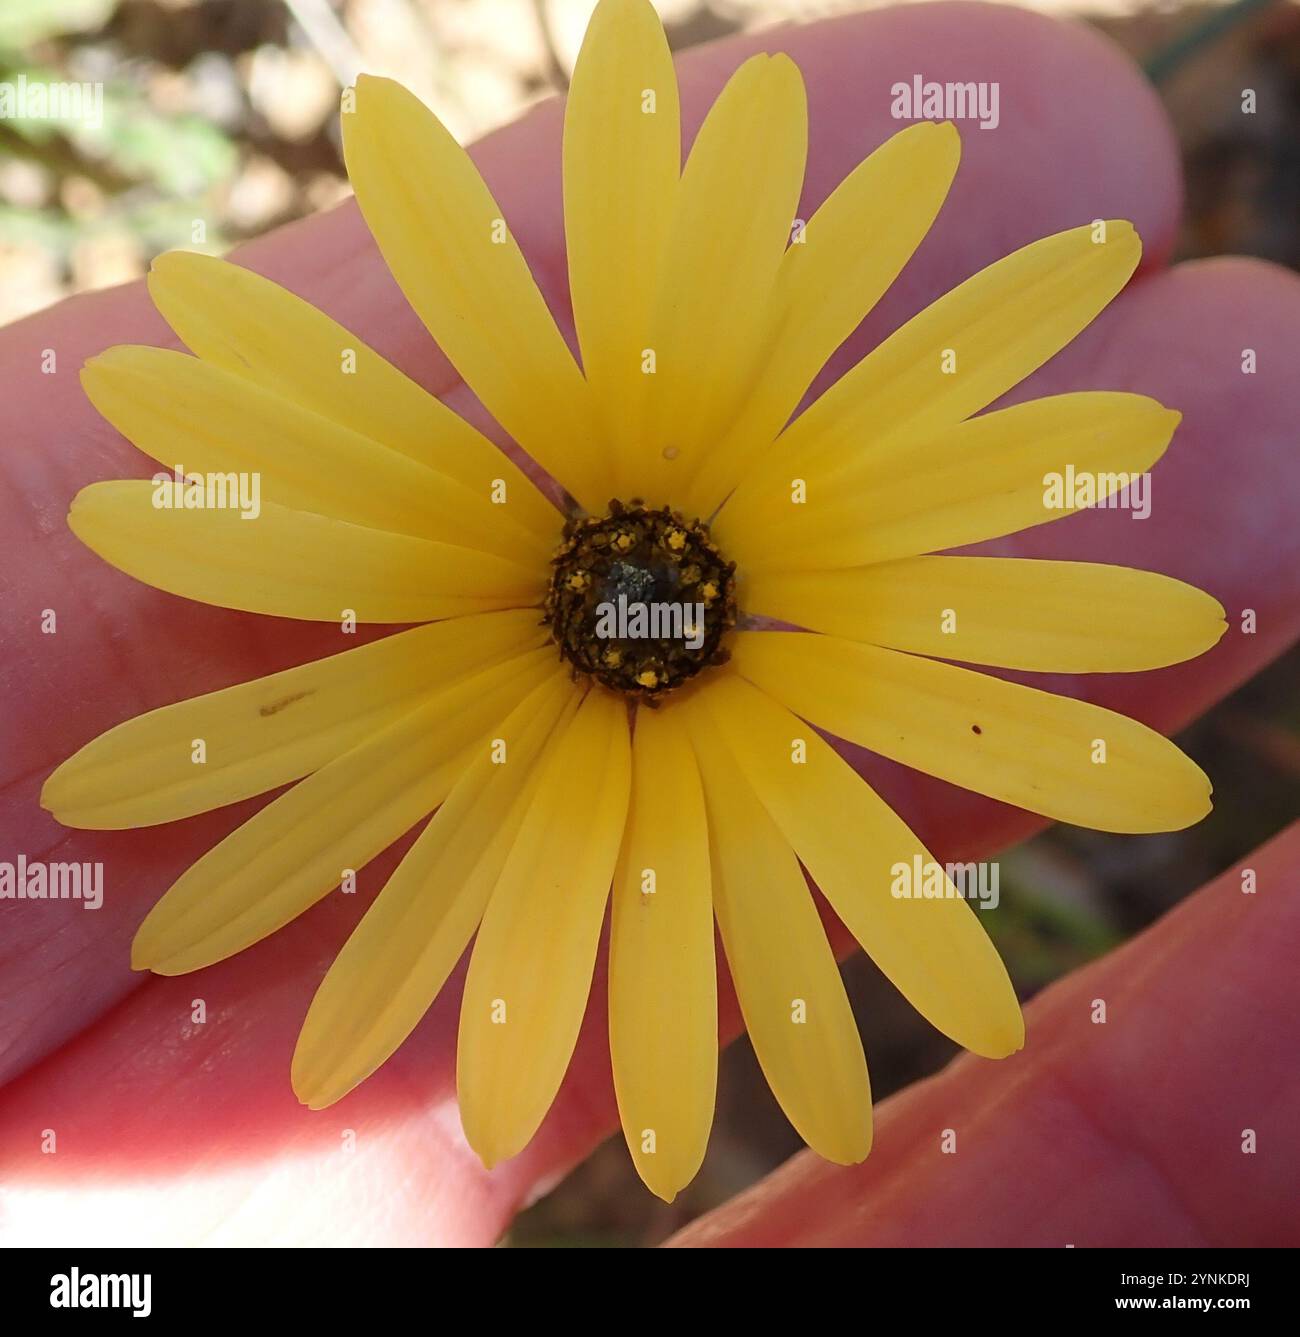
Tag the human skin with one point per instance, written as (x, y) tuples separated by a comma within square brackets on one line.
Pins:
[(170, 1132)]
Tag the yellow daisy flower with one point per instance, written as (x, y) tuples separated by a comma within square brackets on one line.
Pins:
[(678, 764)]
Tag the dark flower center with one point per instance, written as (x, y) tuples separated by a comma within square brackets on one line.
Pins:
[(640, 599)]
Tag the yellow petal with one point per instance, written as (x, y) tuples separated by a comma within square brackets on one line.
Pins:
[(735, 211), (252, 327), (663, 1008), (622, 159), (1049, 754), (530, 972), (986, 477), (289, 563), (268, 732), (959, 354), (445, 240), (848, 254), (934, 950), (399, 956), (1048, 617), (789, 987), (301, 845), (195, 417)]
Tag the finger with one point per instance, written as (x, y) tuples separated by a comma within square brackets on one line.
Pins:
[(1166, 1123)]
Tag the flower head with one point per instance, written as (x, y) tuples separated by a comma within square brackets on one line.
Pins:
[(621, 702)]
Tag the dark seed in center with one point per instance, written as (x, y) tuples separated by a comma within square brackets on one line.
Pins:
[(640, 599)]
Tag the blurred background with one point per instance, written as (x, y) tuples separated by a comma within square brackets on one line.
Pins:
[(226, 111)]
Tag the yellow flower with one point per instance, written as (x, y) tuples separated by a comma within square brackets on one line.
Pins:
[(703, 313)]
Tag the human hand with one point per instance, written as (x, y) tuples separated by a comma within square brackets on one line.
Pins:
[(170, 1131)]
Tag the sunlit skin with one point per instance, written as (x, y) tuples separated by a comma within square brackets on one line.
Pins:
[(1142, 343)]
